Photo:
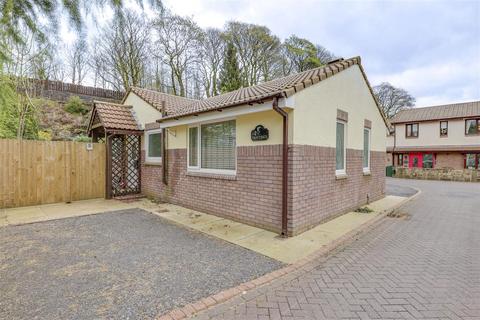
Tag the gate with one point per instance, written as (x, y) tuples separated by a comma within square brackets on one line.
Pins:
[(124, 165)]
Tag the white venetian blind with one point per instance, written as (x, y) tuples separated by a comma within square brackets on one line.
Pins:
[(218, 145)]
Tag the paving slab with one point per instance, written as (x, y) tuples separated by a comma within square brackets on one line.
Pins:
[(24, 215), (270, 244)]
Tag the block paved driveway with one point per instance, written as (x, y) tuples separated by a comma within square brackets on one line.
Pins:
[(424, 267), (126, 264)]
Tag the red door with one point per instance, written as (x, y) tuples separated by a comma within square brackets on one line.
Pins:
[(415, 160)]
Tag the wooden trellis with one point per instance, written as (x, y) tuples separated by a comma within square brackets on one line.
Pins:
[(124, 165)]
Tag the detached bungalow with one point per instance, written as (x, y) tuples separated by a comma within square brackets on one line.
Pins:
[(284, 155)]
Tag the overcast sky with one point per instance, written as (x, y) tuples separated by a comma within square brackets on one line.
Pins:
[(430, 48)]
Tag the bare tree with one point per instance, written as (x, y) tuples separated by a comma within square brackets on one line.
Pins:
[(211, 56), (323, 55), (77, 60), (122, 51), (393, 99), (178, 44)]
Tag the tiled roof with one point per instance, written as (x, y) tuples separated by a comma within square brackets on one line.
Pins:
[(447, 111), (285, 86), (155, 98), (114, 116)]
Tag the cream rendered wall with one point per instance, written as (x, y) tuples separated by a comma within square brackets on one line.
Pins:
[(144, 112), (316, 112), (429, 135), (390, 140), (177, 136)]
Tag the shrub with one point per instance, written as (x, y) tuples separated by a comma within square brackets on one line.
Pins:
[(75, 105), (82, 138)]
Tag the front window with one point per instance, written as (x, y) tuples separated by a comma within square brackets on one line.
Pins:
[(212, 147), (411, 130), (366, 149), (443, 128), (472, 161), (472, 126), (428, 160), (340, 150), (153, 146)]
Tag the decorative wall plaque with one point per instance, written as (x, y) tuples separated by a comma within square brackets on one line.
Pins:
[(260, 133)]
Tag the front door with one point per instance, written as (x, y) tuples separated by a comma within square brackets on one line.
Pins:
[(124, 165)]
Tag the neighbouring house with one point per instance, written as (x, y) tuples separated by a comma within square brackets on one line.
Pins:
[(445, 137), (284, 155)]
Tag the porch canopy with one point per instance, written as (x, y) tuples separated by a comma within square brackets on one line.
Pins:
[(111, 118)]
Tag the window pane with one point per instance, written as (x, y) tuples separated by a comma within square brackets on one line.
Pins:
[(470, 126), (470, 161), (155, 145), (193, 147), (415, 130), (443, 128), (409, 130), (218, 145), (428, 160), (340, 151), (366, 147)]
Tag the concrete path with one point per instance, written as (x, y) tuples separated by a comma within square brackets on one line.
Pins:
[(270, 244), (423, 266), (47, 212)]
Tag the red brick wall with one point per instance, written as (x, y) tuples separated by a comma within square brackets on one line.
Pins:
[(254, 195), (151, 176), (316, 194)]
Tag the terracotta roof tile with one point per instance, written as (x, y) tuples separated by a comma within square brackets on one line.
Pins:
[(155, 99), (115, 116), (285, 86), (447, 111)]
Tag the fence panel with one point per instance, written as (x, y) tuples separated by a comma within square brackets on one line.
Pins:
[(41, 172)]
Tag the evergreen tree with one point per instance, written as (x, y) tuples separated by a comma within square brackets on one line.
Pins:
[(230, 77)]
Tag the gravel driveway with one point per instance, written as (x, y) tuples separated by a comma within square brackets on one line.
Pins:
[(126, 264)]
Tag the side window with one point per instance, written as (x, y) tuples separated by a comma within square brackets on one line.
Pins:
[(153, 146), (366, 149), (340, 150)]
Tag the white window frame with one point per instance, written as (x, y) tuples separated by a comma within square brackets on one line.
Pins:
[(198, 168), (341, 172), (149, 159), (367, 168)]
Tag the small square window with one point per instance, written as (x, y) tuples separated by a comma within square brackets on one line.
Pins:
[(153, 146)]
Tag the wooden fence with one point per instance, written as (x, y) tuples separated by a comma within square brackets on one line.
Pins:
[(40, 172)]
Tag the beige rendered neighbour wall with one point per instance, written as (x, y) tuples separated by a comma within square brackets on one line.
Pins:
[(429, 135), (316, 112), (177, 136), (144, 112)]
